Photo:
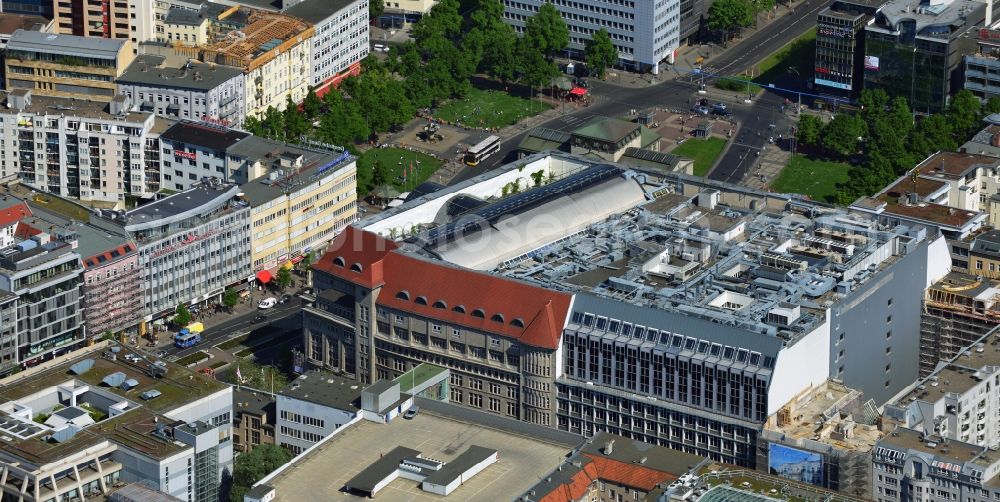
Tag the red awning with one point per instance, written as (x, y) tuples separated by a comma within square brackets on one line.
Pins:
[(297, 259), (578, 91), (264, 276)]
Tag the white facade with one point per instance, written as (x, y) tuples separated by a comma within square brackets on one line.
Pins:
[(645, 33), (341, 37), (285, 75), (301, 424)]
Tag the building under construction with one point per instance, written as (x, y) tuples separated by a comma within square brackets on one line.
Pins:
[(958, 310)]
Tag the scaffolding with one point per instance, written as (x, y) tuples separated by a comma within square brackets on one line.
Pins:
[(957, 311)]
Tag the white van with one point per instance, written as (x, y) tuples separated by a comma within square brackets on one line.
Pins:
[(267, 303), (571, 69), (380, 48)]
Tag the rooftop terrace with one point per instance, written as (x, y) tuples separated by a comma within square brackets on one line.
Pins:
[(821, 414)]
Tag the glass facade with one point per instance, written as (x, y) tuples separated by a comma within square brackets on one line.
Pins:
[(206, 475), (916, 69)]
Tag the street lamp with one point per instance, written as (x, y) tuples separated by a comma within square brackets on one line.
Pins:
[(792, 69)]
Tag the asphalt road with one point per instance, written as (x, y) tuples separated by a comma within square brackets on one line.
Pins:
[(239, 325), (679, 92)]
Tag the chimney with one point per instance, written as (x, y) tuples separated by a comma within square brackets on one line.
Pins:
[(609, 447), (995, 140)]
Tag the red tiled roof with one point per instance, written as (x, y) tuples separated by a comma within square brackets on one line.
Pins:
[(630, 475), (576, 488), (533, 315), (25, 231), (13, 214), (356, 256)]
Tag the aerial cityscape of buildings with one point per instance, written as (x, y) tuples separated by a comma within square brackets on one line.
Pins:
[(247, 254)]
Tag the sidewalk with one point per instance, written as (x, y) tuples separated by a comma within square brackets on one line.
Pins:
[(770, 165)]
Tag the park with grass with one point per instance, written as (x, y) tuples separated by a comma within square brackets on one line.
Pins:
[(704, 152), (404, 169), (818, 179), (489, 109)]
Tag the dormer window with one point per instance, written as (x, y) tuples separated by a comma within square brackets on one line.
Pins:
[(479, 313), (497, 318), (459, 308), (440, 304), (339, 261), (421, 300), (403, 295), (517, 322), (356, 267)]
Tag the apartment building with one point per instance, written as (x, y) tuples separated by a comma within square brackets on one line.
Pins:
[(254, 416), (840, 49), (8, 330), (110, 268), (644, 33), (300, 198), (41, 8), (340, 41), (192, 245), (9, 23), (86, 150), (191, 151), (312, 407), (916, 50), (92, 18), (984, 255), (80, 427), (65, 65), (274, 51), (45, 275), (12, 210), (909, 465), (184, 90)]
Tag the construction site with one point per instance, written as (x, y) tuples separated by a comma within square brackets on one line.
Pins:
[(958, 310), (249, 38), (830, 426)]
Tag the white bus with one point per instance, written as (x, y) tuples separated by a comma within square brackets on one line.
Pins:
[(483, 149)]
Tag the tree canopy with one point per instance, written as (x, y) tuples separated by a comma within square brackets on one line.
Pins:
[(601, 52), (251, 467), (546, 31), (726, 15)]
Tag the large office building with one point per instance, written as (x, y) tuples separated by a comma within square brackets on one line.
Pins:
[(192, 245), (300, 199), (184, 89), (77, 429), (672, 310), (65, 65), (915, 49), (982, 67), (645, 33), (192, 150), (92, 151), (312, 407), (341, 38), (840, 46)]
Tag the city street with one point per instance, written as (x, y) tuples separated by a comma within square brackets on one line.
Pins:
[(239, 324), (613, 100)]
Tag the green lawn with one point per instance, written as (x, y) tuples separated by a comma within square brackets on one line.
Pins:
[(396, 159), (197, 357), (417, 376), (799, 53), (704, 152), (816, 178), (737, 84), (481, 108), (244, 353)]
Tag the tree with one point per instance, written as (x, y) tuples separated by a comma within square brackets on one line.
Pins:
[(726, 15), (992, 105), (546, 31), (490, 41), (375, 9), (601, 52), (307, 260), (380, 174), (343, 123), (380, 97), (965, 112), (250, 468), (182, 316), (443, 20), (840, 135), (312, 105), (295, 122), (535, 71), (284, 278), (810, 128), (932, 134), (230, 298)]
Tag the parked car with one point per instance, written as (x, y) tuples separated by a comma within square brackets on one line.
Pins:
[(700, 110), (257, 319), (412, 412), (285, 298), (582, 82), (267, 303)]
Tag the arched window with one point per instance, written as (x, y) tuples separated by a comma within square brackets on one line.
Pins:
[(339, 261), (440, 304), (497, 318), (458, 308), (356, 267), (403, 295), (421, 300), (479, 313), (517, 322)]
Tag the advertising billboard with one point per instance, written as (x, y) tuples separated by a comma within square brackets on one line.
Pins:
[(871, 63), (795, 464), (831, 83)]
